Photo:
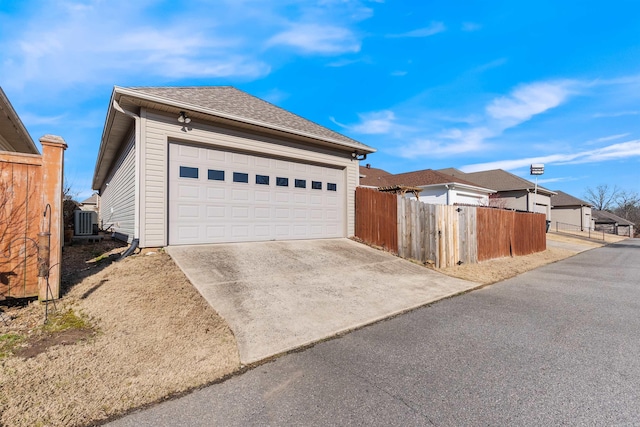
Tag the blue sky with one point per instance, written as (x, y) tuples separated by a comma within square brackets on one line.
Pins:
[(431, 84)]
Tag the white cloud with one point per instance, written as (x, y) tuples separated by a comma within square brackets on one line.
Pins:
[(448, 142), (616, 114), (624, 150), (374, 123), (499, 115), (610, 138), (86, 44), (399, 73), (30, 119), (316, 38), (432, 29), (528, 100)]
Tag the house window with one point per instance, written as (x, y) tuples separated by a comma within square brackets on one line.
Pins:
[(216, 175), (187, 172), (316, 185), (301, 183), (332, 187), (262, 179), (282, 182), (240, 177)]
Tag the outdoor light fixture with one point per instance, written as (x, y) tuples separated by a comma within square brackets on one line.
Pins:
[(536, 169), (183, 118), (357, 156)]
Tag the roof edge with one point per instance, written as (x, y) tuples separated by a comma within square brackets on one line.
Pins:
[(13, 115), (362, 149)]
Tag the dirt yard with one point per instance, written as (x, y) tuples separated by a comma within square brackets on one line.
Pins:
[(125, 334)]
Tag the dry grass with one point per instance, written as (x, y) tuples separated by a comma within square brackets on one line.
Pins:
[(594, 235), (499, 269), (155, 336)]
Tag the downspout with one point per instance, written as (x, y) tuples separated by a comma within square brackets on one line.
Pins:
[(136, 223), (448, 195)]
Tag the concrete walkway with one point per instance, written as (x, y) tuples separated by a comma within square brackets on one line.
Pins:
[(278, 296)]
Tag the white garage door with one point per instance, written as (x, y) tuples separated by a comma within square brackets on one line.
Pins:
[(218, 196)]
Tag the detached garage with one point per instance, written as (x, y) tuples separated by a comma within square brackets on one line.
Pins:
[(196, 165)]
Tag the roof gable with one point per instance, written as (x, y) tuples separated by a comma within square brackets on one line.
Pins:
[(222, 105), (227, 101), (563, 199)]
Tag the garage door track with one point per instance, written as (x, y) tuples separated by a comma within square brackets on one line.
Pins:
[(278, 296)]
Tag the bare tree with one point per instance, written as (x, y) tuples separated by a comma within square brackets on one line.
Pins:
[(602, 197), (628, 206)]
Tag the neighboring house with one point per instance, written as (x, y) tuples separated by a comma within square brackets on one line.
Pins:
[(372, 177), (512, 192), (90, 203), (611, 223), (438, 188), (192, 165), (570, 213)]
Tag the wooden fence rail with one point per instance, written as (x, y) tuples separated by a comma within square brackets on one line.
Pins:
[(444, 236)]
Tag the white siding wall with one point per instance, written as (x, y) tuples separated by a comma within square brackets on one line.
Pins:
[(433, 196), (158, 129), (117, 200), (469, 197)]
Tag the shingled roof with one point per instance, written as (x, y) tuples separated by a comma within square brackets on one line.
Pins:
[(604, 217), (563, 199), (498, 179), (426, 177), (373, 177), (380, 178), (229, 102)]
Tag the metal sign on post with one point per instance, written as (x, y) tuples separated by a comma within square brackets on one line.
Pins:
[(536, 169)]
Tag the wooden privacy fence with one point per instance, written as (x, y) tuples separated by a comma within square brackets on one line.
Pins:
[(446, 235), (376, 218), (31, 185)]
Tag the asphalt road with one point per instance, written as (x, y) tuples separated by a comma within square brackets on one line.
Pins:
[(556, 346)]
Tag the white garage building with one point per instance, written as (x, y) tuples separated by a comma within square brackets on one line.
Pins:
[(196, 165)]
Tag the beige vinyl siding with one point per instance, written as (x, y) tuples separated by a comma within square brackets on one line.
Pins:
[(578, 217), (117, 200), (158, 129)]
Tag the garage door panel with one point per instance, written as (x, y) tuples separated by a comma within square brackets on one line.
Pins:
[(262, 196), (215, 231), (216, 212), (209, 207), (215, 193), (239, 231)]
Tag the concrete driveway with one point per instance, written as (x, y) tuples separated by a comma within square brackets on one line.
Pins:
[(278, 296)]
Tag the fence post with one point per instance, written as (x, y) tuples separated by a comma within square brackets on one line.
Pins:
[(52, 177)]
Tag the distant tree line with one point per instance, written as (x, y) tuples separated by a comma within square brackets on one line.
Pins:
[(624, 203)]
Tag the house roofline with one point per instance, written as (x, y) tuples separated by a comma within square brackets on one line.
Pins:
[(12, 115), (119, 92)]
